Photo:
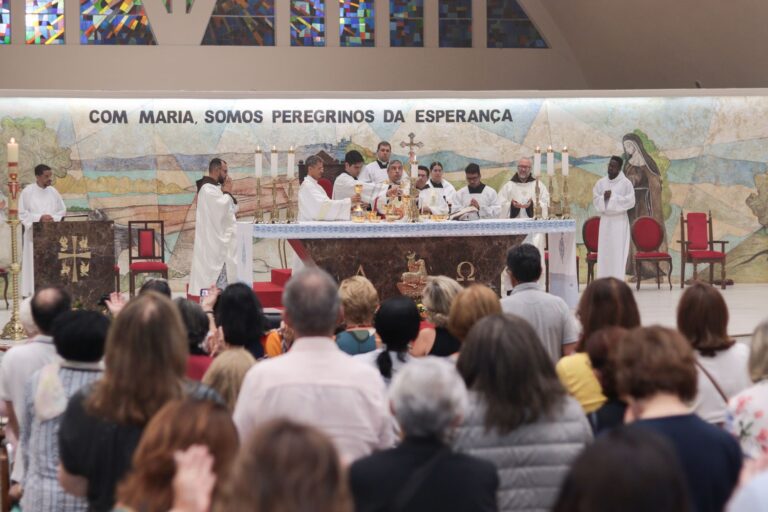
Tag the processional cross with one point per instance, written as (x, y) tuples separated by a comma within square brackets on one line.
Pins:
[(410, 145), (64, 254)]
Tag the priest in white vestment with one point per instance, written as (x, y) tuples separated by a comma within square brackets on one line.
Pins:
[(478, 194), (38, 202), (314, 203), (214, 256), (344, 184), (376, 171), (438, 196), (612, 196), (516, 201), (392, 190)]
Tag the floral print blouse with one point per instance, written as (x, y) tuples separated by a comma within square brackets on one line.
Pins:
[(747, 419)]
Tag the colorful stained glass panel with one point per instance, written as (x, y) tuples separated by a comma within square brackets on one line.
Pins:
[(307, 22), (455, 23), (406, 33), (510, 27), (505, 9), (356, 23), (406, 9), (244, 8), (45, 7), (124, 7), (240, 31), (45, 28), (116, 28), (456, 9), (5, 22)]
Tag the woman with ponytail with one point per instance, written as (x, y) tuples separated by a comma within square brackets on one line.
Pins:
[(397, 322)]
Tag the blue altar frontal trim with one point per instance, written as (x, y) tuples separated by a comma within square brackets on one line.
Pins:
[(330, 230)]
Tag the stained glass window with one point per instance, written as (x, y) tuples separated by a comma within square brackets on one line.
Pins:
[(45, 21), (307, 22), (510, 27), (5, 22), (356, 23), (241, 23), (115, 22), (406, 22), (455, 18)]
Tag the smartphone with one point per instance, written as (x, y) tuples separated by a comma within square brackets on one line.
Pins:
[(204, 292)]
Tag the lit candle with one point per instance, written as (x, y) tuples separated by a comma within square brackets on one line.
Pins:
[(566, 163), (291, 163), (414, 169), (258, 158), (550, 161), (13, 151), (273, 163), (537, 163)]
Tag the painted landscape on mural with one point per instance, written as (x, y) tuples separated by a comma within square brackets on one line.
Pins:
[(710, 154)]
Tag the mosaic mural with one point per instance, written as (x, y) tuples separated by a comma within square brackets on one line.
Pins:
[(356, 23), (307, 22), (114, 22), (455, 23), (44, 22), (125, 159)]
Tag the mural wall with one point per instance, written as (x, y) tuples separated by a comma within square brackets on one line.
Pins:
[(125, 159)]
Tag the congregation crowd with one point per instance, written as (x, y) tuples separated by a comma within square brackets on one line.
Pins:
[(354, 404)]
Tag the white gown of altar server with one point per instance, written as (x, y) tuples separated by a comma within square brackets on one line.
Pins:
[(314, 203), (614, 236), (487, 199), (522, 193), (34, 202), (344, 187), (215, 238), (373, 173), (437, 198)]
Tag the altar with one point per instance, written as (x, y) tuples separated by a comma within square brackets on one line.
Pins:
[(396, 256)]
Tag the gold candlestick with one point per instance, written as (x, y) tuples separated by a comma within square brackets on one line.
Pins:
[(259, 217), (274, 216), (566, 206), (537, 203), (290, 217), (13, 329)]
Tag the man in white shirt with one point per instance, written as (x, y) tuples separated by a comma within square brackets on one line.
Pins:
[(314, 203), (438, 196), (21, 361), (214, 254), (38, 202), (478, 194), (376, 171), (548, 314), (344, 184), (612, 196), (315, 382)]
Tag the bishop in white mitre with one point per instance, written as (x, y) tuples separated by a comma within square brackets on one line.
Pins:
[(438, 196), (38, 202), (612, 196), (314, 203), (478, 194), (344, 184), (214, 254)]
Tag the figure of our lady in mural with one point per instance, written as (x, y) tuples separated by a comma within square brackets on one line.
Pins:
[(641, 169)]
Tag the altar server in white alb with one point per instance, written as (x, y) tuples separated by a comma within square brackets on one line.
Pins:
[(314, 203), (344, 184), (438, 197), (376, 171), (612, 196), (478, 194), (38, 202), (214, 256)]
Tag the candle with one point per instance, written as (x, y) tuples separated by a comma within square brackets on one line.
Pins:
[(13, 151), (566, 163), (415, 169), (550, 161), (537, 163), (273, 163), (258, 158), (291, 163)]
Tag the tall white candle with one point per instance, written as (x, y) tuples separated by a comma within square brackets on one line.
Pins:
[(258, 161), (537, 163), (273, 163), (550, 161), (291, 163), (566, 163), (414, 169), (13, 151)]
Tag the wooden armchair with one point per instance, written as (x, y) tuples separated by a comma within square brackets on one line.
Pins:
[(697, 246)]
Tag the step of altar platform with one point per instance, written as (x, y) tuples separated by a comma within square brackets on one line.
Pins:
[(270, 293)]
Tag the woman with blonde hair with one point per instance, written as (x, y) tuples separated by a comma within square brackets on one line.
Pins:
[(747, 416), (437, 298), (177, 426), (359, 301), (286, 467), (469, 306), (226, 374), (145, 361)]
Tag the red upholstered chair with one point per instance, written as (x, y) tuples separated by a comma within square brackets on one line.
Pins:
[(327, 186), (590, 232), (146, 240), (697, 246), (4, 276), (648, 235)]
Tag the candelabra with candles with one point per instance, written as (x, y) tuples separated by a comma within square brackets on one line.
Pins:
[(13, 329), (275, 183)]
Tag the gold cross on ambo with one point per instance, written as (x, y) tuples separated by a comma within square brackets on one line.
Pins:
[(71, 268)]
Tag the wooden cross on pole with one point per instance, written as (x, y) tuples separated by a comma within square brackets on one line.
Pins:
[(410, 145)]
